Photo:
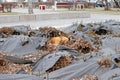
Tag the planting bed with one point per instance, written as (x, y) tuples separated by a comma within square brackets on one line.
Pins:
[(77, 52)]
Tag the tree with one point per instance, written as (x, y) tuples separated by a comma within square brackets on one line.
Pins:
[(107, 7), (30, 7), (117, 3)]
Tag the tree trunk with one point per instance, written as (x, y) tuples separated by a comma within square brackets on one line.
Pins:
[(106, 5), (30, 7), (117, 4)]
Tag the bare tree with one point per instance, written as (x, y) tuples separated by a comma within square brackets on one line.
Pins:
[(117, 4), (107, 7)]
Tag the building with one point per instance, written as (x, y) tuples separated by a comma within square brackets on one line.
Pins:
[(17, 0)]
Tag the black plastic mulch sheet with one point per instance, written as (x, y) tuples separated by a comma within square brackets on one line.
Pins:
[(77, 68), (18, 77), (14, 45)]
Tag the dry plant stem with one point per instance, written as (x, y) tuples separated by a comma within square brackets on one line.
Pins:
[(117, 48), (97, 47), (81, 45), (62, 62), (104, 62), (27, 69), (83, 57), (6, 30), (90, 54)]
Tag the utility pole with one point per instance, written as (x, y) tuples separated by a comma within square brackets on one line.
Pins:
[(30, 7)]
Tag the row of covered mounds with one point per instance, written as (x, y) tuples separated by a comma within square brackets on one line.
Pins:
[(61, 52), (18, 44), (14, 30)]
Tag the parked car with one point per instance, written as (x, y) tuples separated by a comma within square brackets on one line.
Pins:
[(99, 4)]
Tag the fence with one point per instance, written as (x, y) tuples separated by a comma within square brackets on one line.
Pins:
[(41, 17)]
